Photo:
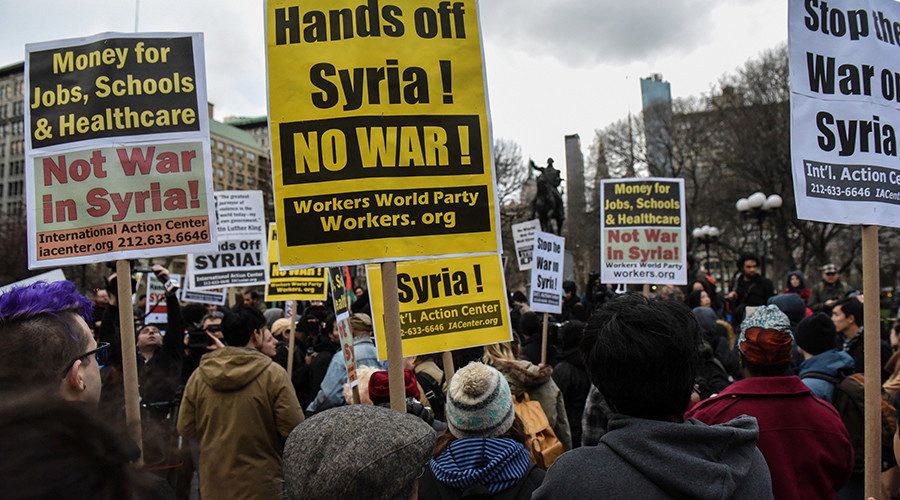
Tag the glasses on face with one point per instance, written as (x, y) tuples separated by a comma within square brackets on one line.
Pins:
[(830, 273), (101, 353)]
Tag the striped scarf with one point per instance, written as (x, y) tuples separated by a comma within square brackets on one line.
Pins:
[(495, 463)]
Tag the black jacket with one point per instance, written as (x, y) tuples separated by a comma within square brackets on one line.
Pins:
[(572, 379), (854, 347), (755, 292)]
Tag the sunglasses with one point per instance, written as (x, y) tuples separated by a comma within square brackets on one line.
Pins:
[(101, 353), (830, 273)]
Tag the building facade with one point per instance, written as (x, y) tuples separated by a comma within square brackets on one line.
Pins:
[(12, 141)]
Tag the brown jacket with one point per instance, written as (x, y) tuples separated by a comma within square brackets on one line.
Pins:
[(241, 405)]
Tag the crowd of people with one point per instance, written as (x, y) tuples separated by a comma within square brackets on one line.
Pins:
[(692, 392)]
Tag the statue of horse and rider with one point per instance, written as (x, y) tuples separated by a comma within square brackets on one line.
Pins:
[(547, 204)]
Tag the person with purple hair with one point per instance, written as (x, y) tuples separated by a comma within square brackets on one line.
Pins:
[(45, 342)]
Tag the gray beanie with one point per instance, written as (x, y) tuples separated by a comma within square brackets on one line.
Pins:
[(479, 403), (356, 451)]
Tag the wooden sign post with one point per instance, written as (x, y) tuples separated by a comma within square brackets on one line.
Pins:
[(129, 354), (544, 336), (392, 335), (449, 369), (872, 356), (293, 329)]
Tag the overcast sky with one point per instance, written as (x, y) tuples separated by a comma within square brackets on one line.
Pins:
[(554, 67)]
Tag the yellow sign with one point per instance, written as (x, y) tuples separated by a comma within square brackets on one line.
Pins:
[(297, 284), (445, 304), (380, 131)]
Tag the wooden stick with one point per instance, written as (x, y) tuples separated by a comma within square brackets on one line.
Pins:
[(449, 369), (544, 339), (872, 355), (129, 354), (292, 331), (392, 335), (646, 290)]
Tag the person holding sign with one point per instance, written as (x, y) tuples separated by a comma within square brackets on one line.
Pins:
[(330, 392)]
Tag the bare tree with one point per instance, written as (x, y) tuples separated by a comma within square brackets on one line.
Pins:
[(510, 170)]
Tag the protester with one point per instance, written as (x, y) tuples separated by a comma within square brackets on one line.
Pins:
[(571, 377), (272, 315), (815, 338), (806, 446), (828, 291), (324, 346), (252, 299), (380, 395), (716, 356), (45, 342), (431, 378), (524, 378), (699, 298), (361, 304), (796, 283), (570, 299), (330, 393), (382, 461), (241, 405), (650, 451), (101, 302), (518, 305), (847, 315), (531, 332), (892, 385), (482, 452), (750, 288), (52, 448)]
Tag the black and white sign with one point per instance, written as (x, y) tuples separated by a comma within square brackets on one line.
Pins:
[(845, 110), (523, 237), (547, 273)]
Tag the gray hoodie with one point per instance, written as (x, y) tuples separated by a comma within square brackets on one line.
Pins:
[(650, 459)]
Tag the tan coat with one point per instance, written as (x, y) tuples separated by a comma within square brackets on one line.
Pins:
[(241, 406)]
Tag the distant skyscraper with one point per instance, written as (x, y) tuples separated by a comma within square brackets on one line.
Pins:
[(656, 95)]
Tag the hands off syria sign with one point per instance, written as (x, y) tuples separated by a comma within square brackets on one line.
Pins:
[(380, 131), (845, 110)]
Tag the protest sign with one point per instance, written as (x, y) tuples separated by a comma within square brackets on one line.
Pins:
[(547, 273), (523, 237), (293, 284), (642, 226), (215, 296), (116, 148), (445, 304), (49, 277), (241, 259), (156, 309), (380, 131), (845, 110), (342, 324)]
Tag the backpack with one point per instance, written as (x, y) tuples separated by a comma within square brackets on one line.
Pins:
[(434, 393), (849, 401), (542, 442)]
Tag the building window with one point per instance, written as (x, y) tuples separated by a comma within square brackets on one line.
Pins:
[(251, 181), (239, 151), (220, 158), (239, 178), (230, 162), (230, 176), (220, 145), (219, 186), (220, 172), (230, 148), (238, 165), (251, 156)]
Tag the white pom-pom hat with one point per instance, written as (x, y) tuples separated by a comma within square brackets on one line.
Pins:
[(479, 403)]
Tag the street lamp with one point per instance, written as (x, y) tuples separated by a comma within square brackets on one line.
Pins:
[(758, 206), (706, 235)]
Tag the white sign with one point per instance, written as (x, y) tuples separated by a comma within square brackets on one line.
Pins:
[(49, 277), (547, 273), (242, 255), (156, 307), (523, 237), (642, 231), (845, 110), (215, 296)]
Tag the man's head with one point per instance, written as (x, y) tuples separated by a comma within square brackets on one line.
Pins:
[(359, 291), (212, 323), (149, 337), (251, 298), (630, 334), (765, 342), (530, 325), (101, 297), (44, 339), (749, 265), (244, 327), (847, 315), (360, 324), (382, 462), (519, 298), (815, 334), (830, 273), (570, 288)]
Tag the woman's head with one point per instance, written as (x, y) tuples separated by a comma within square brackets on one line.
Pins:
[(479, 402)]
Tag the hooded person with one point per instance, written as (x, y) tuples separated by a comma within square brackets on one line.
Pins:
[(712, 375), (796, 283), (357, 451), (482, 452), (571, 377), (536, 381), (649, 450), (805, 443)]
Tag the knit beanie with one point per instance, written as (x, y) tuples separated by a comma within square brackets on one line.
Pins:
[(815, 334), (479, 403), (379, 389), (766, 337), (791, 305), (361, 322), (280, 327), (530, 325)]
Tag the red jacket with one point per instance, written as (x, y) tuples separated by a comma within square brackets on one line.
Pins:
[(801, 437)]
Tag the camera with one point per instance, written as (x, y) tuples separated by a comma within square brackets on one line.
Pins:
[(198, 340)]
